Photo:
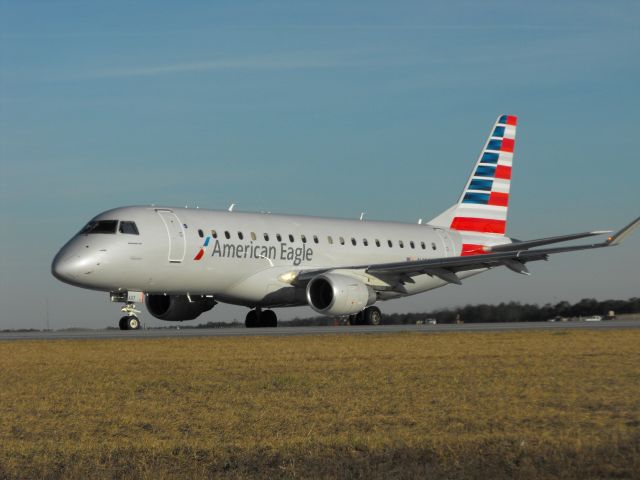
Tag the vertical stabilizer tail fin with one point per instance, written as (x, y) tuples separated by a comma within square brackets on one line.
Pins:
[(483, 205)]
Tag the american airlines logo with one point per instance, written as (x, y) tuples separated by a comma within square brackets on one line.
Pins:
[(249, 251)]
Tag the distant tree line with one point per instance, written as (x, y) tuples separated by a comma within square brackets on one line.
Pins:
[(518, 312), (483, 313)]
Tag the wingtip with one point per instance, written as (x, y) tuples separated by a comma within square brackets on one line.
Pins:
[(620, 235)]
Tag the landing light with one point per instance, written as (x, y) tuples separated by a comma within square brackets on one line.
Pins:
[(288, 277)]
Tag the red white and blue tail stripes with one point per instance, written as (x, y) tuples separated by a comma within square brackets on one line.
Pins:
[(482, 208)]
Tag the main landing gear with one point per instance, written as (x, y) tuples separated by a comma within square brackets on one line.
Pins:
[(369, 316), (257, 318), (130, 321)]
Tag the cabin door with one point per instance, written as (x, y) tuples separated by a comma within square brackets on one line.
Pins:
[(175, 230)]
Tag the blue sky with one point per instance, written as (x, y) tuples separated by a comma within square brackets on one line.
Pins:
[(326, 108)]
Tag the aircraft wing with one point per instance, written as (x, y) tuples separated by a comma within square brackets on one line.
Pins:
[(513, 256), (523, 245)]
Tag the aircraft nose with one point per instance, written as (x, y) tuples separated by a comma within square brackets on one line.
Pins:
[(68, 267), (63, 268)]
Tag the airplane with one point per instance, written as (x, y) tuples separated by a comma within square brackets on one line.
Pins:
[(181, 262)]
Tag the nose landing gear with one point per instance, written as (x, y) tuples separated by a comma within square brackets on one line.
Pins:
[(130, 320)]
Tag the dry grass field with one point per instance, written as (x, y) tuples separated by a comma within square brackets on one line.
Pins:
[(557, 404)]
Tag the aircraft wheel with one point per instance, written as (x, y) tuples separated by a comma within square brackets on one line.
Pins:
[(123, 323), (251, 321), (268, 319), (357, 319), (372, 316), (132, 323)]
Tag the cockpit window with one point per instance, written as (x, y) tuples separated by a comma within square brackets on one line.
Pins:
[(130, 228), (101, 226)]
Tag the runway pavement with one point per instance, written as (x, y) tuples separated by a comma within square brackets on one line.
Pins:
[(288, 331)]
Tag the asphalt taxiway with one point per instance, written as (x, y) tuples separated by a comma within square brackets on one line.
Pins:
[(291, 331)]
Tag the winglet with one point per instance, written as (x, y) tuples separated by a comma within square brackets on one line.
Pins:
[(619, 236)]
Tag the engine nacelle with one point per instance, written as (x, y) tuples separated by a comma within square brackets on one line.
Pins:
[(178, 307), (336, 294)]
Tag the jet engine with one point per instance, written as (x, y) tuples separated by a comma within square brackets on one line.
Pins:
[(336, 294), (178, 307)]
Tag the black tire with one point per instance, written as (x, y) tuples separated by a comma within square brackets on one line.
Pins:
[(123, 323), (357, 319), (372, 316), (251, 321), (268, 319), (133, 323)]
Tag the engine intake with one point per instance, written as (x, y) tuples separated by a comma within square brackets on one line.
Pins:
[(336, 294), (178, 307)]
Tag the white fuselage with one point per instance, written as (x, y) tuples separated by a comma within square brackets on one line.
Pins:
[(247, 255)]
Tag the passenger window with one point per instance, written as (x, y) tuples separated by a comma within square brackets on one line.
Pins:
[(227, 235), (390, 243), (315, 239), (377, 242), (341, 241), (303, 238), (364, 242), (214, 234), (330, 240), (278, 237), (411, 244), (240, 236), (423, 245), (291, 238), (401, 243), (266, 237), (433, 246), (131, 229), (253, 236), (353, 241)]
